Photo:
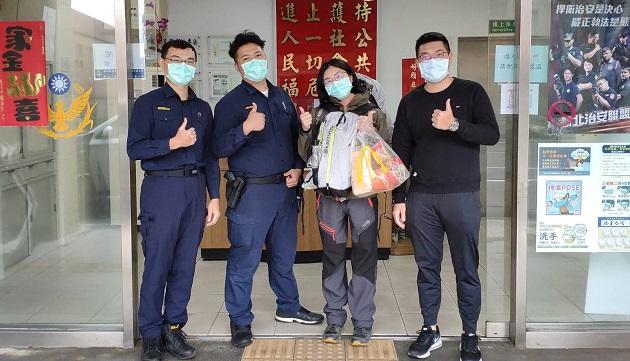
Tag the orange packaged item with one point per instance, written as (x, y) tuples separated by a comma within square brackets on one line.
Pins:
[(375, 166)]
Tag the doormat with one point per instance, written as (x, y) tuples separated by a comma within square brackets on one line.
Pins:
[(315, 349)]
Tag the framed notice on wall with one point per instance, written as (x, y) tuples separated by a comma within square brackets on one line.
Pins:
[(218, 49), (222, 81)]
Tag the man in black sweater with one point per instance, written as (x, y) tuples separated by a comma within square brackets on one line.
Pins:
[(438, 132)]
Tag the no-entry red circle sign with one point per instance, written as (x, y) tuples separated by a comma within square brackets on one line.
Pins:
[(562, 119)]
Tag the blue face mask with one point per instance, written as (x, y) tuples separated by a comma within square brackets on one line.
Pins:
[(434, 70), (255, 70), (340, 89), (180, 74)]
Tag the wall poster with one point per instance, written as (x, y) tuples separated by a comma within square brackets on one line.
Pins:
[(583, 197), (312, 32), (589, 67)]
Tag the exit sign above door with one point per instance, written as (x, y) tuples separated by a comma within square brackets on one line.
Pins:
[(501, 26)]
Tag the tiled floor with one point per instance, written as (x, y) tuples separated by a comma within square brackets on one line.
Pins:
[(81, 281), (398, 312)]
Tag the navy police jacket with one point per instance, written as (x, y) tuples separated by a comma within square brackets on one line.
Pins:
[(155, 118), (272, 150)]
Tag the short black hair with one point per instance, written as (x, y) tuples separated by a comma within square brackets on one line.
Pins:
[(243, 38), (592, 33), (429, 37), (322, 94), (177, 44)]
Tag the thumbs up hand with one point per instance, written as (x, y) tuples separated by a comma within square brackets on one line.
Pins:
[(255, 121), (184, 137), (366, 122), (441, 119), (306, 119)]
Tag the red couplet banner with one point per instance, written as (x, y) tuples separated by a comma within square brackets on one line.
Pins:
[(312, 32), (23, 100), (411, 78)]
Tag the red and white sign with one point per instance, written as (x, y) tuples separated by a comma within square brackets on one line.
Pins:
[(23, 100), (558, 114)]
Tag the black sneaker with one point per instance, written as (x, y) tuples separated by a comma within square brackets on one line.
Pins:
[(174, 340), (361, 336), (241, 335), (302, 316), (428, 340), (332, 334), (470, 348), (151, 349)]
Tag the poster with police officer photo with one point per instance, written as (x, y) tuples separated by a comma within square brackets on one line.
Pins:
[(589, 67)]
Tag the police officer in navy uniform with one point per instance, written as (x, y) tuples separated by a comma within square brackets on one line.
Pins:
[(587, 84), (610, 68), (257, 129), (569, 90), (570, 56), (606, 97), (623, 89), (169, 132)]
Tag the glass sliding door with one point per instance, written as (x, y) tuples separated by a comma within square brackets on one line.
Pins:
[(60, 239), (578, 245)]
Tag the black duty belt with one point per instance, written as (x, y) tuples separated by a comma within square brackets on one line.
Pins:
[(184, 172), (271, 179)]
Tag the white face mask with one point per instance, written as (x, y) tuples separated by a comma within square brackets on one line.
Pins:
[(434, 70)]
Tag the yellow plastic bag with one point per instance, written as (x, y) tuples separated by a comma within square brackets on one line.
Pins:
[(375, 166)]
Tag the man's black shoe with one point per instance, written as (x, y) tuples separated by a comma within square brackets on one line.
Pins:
[(428, 340), (469, 348), (302, 316), (151, 349), (241, 335), (174, 340)]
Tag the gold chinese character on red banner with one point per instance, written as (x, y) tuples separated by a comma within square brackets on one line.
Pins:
[(315, 62), (337, 13), (289, 15), (362, 37), (312, 88), (335, 38), (288, 36), (311, 16), (288, 63), (363, 12), (291, 88), (362, 63)]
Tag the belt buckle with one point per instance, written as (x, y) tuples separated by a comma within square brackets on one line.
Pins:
[(194, 171)]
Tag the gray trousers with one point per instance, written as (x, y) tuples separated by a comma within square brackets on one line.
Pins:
[(333, 217), (458, 215)]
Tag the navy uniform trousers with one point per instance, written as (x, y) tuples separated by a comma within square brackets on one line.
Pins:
[(172, 219), (429, 216), (266, 214)]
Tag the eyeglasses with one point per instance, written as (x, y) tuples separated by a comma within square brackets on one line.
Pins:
[(178, 61), (567, 40), (439, 55), (338, 76)]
